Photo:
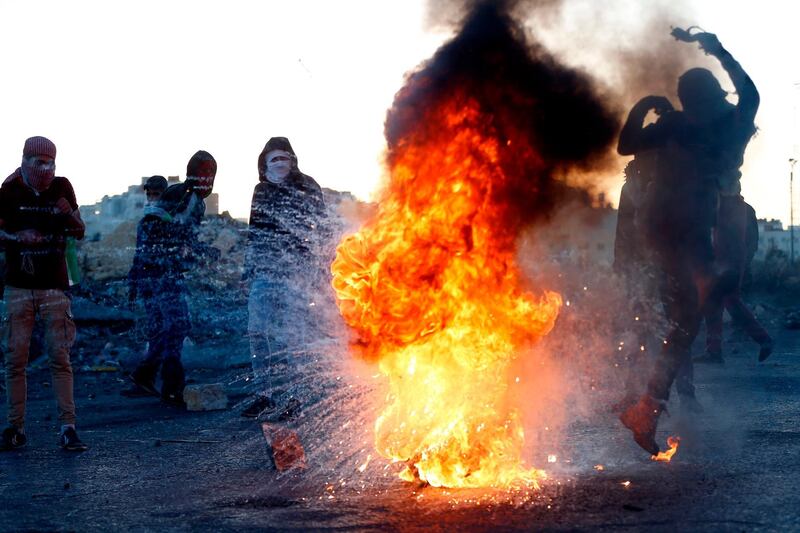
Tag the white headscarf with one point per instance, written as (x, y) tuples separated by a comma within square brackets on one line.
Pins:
[(277, 169)]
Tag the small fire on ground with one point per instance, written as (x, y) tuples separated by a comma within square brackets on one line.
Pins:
[(666, 456)]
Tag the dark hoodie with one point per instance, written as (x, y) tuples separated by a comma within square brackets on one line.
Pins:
[(283, 220)]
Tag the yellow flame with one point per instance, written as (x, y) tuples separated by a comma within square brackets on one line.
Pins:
[(666, 456), (432, 290)]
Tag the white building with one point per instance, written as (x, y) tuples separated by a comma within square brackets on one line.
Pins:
[(772, 236)]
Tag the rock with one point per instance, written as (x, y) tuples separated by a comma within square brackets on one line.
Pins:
[(206, 397), (287, 450)]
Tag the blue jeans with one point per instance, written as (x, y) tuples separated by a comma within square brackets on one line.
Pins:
[(167, 325)]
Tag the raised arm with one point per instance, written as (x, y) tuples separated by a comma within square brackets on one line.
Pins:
[(634, 137), (745, 88)]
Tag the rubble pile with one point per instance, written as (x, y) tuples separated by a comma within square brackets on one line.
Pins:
[(111, 329)]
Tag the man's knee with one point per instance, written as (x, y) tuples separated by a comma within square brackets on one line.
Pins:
[(15, 364), (19, 340), (59, 324), (59, 359)]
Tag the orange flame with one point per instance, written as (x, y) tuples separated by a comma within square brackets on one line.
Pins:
[(432, 290), (666, 456)]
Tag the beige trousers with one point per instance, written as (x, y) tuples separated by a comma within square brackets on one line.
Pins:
[(53, 308)]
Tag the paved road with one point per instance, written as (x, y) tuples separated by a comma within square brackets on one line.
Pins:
[(738, 469)]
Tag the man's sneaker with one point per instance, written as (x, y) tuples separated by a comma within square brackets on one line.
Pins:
[(140, 388), (262, 404), (642, 420), (13, 439), (69, 441), (709, 358), (766, 350)]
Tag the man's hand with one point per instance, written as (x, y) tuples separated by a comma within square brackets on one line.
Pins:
[(709, 43), (659, 104), (64, 207), (29, 236)]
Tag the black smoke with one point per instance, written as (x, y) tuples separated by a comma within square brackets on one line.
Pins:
[(521, 87)]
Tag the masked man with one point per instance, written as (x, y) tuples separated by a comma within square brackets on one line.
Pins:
[(38, 212), (166, 247), (284, 222)]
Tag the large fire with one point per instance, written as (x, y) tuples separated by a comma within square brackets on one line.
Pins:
[(429, 284), (432, 289)]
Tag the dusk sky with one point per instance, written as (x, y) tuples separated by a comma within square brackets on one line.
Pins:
[(130, 89)]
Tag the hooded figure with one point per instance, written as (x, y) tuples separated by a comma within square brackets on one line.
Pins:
[(285, 221), (284, 215), (702, 148)]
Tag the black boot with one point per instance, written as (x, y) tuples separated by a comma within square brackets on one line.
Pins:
[(174, 381), (144, 383), (12, 439)]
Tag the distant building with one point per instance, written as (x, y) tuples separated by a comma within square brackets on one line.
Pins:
[(104, 216), (772, 236), (583, 234), (333, 197)]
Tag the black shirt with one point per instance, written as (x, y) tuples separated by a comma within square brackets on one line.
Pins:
[(42, 265)]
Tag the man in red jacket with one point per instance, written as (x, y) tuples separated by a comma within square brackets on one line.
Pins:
[(38, 211)]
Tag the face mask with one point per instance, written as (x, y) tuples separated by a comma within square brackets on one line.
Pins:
[(39, 176), (278, 170), (279, 164), (202, 185)]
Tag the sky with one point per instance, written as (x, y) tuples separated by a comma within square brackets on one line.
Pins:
[(128, 89)]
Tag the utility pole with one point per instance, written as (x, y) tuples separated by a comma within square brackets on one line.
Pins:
[(792, 161)]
